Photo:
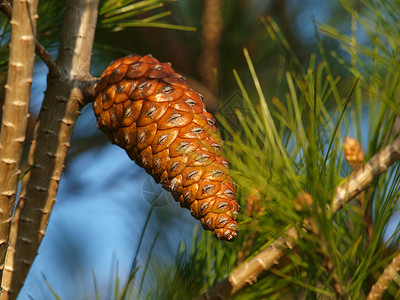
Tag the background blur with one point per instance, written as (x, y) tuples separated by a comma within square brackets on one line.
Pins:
[(104, 198)]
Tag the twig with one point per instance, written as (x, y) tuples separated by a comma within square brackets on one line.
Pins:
[(337, 287), (6, 8), (381, 285), (250, 272), (61, 107), (47, 59), (15, 113)]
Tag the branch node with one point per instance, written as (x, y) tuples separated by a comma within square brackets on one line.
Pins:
[(25, 240), (40, 188)]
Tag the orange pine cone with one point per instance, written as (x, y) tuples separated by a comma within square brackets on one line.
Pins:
[(151, 112)]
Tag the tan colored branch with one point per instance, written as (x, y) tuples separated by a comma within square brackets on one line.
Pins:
[(64, 99), (377, 165), (16, 111), (250, 272), (381, 285)]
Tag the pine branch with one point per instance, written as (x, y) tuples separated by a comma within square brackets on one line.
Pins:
[(250, 272), (16, 110), (377, 165), (47, 59), (64, 99), (381, 285), (6, 8)]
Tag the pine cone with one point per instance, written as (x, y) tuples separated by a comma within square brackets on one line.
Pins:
[(150, 111)]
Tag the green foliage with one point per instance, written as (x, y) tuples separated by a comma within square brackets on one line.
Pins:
[(49, 23), (280, 148), (4, 38), (193, 270), (123, 14), (114, 16), (53, 292)]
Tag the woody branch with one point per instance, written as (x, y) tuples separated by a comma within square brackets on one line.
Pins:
[(16, 110), (66, 94)]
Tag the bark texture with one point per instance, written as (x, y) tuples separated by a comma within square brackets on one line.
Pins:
[(252, 271), (64, 99), (16, 111)]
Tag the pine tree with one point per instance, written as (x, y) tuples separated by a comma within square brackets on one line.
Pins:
[(311, 135)]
